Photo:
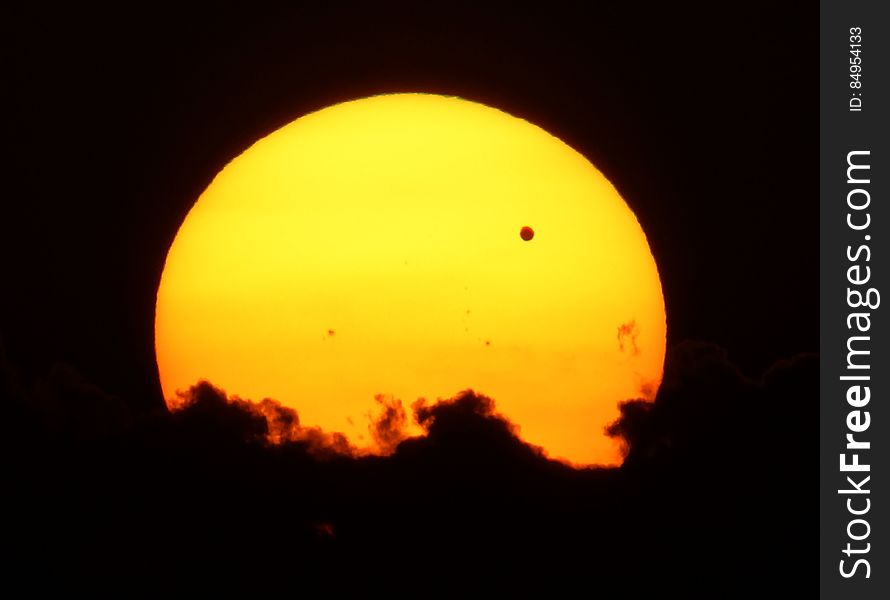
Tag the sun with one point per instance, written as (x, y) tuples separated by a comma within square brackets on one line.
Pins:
[(416, 245)]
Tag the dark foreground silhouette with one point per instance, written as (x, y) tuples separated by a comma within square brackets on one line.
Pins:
[(717, 496)]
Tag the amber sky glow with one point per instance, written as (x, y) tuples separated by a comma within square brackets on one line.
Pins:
[(374, 247)]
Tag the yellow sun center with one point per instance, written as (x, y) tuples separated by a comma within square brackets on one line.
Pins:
[(371, 248)]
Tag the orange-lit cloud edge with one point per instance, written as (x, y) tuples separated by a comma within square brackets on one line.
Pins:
[(388, 427)]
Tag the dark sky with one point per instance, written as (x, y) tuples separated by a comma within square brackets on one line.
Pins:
[(704, 119)]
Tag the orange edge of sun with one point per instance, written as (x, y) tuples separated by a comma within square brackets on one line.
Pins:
[(414, 246)]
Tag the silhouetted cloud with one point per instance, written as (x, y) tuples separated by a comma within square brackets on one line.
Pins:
[(207, 406), (228, 494), (62, 402), (707, 407)]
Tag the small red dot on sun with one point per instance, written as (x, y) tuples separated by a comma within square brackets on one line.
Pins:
[(526, 233)]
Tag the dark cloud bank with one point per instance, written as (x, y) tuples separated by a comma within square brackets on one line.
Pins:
[(717, 496)]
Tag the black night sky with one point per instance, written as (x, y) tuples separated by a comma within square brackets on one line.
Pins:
[(704, 118)]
